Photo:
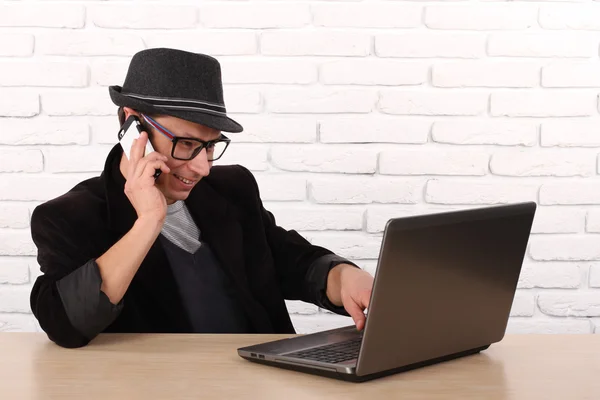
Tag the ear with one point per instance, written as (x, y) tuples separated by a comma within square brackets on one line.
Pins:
[(129, 112)]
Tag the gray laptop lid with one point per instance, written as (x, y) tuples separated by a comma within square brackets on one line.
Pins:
[(451, 278)]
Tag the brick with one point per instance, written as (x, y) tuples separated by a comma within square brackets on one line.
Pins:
[(16, 44), (559, 220), (367, 265), (320, 100), (298, 307), (373, 72), (261, 71), (104, 129), (18, 323), (364, 190), (33, 73), (595, 277), (378, 215), (564, 248), (553, 326), (14, 215), (311, 158), (89, 158), (242, 100), (89, 44), (474, 192), (593, 221), (216, 43), (315, 43), (543, 104), (502, 133), (564, 44), (255, 15), (145, 16), (16, 242), (486, 74), (543, 163), (254, 157), (579, 193), (369, 129), (481, 16), (353, 245), (15, 299), (572, 16), (570, 74), (34, 269), (570, 304), (523, 304), (408, 102), (430, 44), (550, 275), (281, 187), (321, 218), (37, 187), (53, 15), (67, 103), (44, 130), (275, 129), (570, 133), (14, 270), (374, 15), (433, 162), (19, 103), (108, 73), (21, 161), (305, 324)]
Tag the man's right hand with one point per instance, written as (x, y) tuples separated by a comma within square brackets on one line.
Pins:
[(140, 188)]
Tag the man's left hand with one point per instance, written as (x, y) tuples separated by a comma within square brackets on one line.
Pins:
[(351, 287)]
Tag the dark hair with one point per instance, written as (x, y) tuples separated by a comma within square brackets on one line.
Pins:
[(121, 115)]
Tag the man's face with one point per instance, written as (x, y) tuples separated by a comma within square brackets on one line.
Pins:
[(184, 175)]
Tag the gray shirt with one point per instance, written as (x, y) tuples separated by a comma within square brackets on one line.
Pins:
[(180, 228)]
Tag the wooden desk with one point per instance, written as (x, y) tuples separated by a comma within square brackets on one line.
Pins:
[(207, 366)]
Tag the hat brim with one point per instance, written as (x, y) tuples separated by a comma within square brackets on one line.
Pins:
[(219, 122)]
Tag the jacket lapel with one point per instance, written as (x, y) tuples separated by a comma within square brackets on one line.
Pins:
[(220, 228)]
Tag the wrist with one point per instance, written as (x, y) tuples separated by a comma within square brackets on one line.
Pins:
[(334, 283), (149, 224)]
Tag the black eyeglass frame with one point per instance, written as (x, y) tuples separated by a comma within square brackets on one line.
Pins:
[(175, 139)]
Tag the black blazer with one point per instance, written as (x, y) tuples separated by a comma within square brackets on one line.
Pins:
[(266, 263)]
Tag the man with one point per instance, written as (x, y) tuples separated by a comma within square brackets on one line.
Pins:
[(184, 252)]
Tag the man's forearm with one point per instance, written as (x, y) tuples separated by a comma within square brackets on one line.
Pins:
[(120, 263)]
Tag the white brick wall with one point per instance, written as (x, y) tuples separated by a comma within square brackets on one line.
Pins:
[(354, 113), (481, 16)]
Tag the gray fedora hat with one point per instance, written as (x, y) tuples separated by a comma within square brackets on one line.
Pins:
[(177, 83)]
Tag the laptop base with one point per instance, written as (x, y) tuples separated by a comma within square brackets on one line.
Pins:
[(357, 379)]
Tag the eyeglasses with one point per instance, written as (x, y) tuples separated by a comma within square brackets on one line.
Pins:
[(185, 148)]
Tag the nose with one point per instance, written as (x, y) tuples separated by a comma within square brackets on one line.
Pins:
[(200, 165)]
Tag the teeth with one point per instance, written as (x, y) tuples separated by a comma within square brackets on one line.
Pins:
[(188, 182)]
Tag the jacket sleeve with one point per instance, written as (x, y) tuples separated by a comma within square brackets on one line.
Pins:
[(302, 267), (66, 299)]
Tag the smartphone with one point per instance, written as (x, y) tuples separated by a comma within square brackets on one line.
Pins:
[(131, 130)]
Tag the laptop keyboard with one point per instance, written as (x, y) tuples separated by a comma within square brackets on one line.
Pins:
[(331, 353)]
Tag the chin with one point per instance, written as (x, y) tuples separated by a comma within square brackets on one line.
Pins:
[(179, 195)]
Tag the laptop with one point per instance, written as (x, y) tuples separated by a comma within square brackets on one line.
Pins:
[(443, 289)]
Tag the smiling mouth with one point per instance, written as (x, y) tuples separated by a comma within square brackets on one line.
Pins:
[(186, 181)]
